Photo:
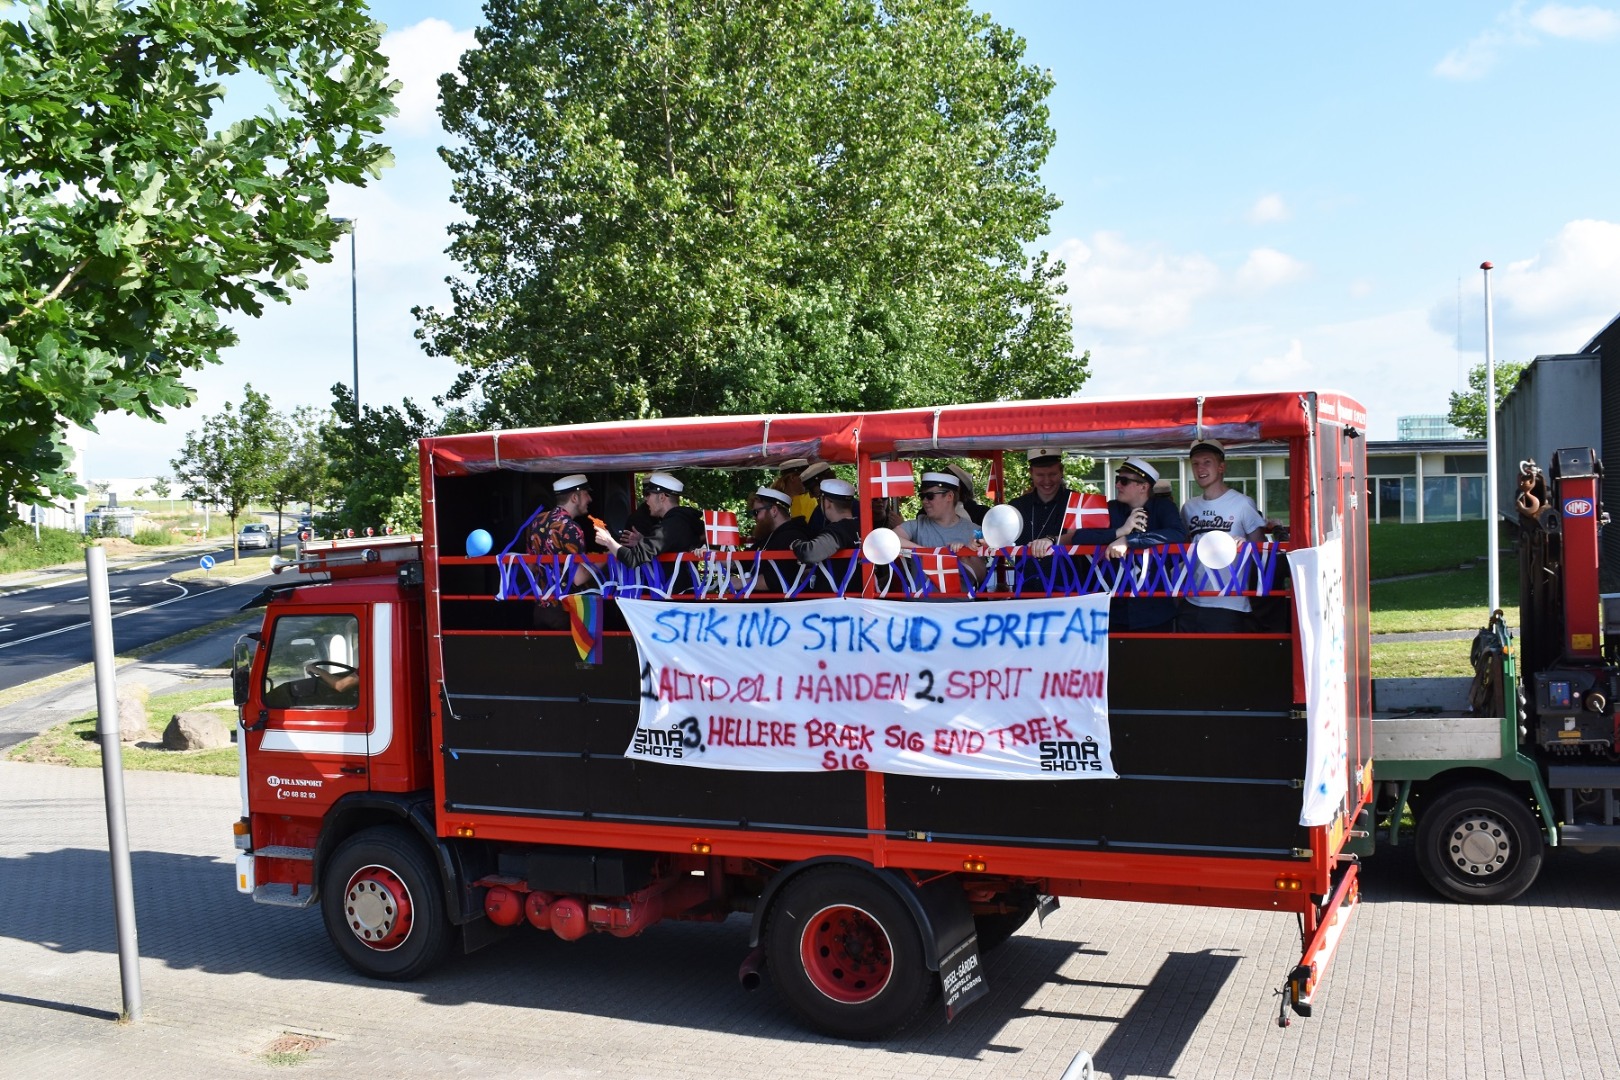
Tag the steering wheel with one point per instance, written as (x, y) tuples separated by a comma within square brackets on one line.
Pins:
[(331, 666)]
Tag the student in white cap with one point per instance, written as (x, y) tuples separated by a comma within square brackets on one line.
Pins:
[(939, 525), (558, 532), (812, 476), (841, 530), (677, 528), (774, 528), (1044, 505), (1217, 508), (790, 480), (1136, 519)]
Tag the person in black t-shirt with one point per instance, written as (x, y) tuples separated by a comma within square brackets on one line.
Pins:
[(676, 528)]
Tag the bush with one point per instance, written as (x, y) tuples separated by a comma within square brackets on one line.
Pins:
[(18, 551), (151, 537)]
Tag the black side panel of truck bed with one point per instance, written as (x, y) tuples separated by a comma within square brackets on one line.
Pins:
[(1208, 757), (1208, 754), (530, 730)]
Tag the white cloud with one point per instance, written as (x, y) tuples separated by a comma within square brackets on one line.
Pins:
[(1267, 268), (1552, 302), (1124, 295), (1138, 292), (1286, 368), (1473, 60), (417, 56), (1515, 29), (1361, 287), (1587, 23), (1269, 208)]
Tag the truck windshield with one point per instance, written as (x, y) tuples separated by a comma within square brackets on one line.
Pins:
[(314, 663)]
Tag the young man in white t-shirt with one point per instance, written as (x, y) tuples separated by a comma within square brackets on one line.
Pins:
[(1217, 509)]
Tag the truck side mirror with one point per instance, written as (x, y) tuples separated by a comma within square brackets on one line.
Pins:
[(242, 667)]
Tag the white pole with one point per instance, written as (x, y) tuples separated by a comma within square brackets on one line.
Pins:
[(112, 777), (1493, 591)]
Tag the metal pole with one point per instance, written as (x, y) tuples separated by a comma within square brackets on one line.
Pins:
[(354, 319), (112, 776), (1493, 593)]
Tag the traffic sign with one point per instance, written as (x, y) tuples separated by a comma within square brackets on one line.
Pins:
[(206, 562)]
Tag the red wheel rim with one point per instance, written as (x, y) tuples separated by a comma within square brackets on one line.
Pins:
[(377, 906), (846, 953)]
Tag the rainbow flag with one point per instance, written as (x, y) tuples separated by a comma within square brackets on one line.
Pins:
[(585, 621)]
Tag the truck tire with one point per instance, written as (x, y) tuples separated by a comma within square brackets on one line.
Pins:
[(1479, 844), (383, 904), (847, 954)]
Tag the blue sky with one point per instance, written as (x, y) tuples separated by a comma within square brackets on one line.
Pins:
[(1255, 196)]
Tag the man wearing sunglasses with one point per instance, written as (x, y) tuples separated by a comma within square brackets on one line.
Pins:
[(1137, 519), (775, 529), (677, 528), (939, 525)]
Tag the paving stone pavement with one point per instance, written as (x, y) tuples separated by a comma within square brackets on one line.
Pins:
[(1420, 987)]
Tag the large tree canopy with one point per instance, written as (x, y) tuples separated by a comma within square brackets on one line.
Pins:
[(127, 228), (713, 206)]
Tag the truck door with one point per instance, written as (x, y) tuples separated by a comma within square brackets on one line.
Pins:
[(315, 701)]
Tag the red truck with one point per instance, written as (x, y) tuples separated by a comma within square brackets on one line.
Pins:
[(889, 772)]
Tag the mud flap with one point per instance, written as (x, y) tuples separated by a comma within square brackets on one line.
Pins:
[(951, 940), (1312, 968)]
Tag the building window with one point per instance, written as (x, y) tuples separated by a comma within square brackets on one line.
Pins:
[(1439, 498), (1393, 465), (1471, 497), (1456, 464)]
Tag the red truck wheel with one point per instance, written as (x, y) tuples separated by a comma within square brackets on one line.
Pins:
[(846, 953), (383, 906)]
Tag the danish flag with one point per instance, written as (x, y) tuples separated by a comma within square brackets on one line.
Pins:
[(893, 479), (1085, 511), (720, 529), (941, 567)]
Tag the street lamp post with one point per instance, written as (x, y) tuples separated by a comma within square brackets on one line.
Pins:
[(354, 313)]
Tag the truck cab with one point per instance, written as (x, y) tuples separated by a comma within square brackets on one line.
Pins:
[(331, 700)]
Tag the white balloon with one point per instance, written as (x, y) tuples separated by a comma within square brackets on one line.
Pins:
[(881, 546), (1215, 550), (1001, 526)]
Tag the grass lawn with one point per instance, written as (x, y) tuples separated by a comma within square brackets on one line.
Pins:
[(250, 564), (74, 743), (1452, 601), (1420, 659), (1417, 549)]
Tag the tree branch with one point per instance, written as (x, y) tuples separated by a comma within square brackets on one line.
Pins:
[(61, 287)]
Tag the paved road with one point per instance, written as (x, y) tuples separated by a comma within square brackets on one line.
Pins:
[(45, 627), (1420, 987), (197, 662)]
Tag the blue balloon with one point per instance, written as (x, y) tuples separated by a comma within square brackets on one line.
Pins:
[(478, 543)]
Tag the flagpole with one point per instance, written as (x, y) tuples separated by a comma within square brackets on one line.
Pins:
[(1493, 591)]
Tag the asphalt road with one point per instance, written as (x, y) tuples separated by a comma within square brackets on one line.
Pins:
[(45, 627)]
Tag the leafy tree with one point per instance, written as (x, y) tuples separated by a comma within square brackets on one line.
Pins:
[(372, 463), (161, 488), (1468, 409), (227, 463), (128, 228), (730, 206), (299, 473)]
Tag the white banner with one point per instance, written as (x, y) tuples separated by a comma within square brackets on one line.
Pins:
[(1318, 575), (1012, 690)]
